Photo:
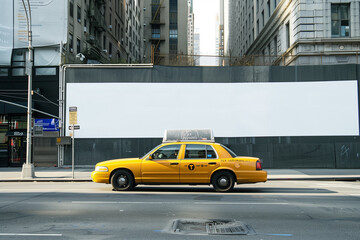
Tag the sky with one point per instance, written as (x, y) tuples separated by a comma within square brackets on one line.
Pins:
[(205, 12)]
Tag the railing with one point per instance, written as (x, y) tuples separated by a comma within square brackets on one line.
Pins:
[(260, 60)]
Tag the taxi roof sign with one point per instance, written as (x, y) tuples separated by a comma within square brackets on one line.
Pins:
[(201, 135)]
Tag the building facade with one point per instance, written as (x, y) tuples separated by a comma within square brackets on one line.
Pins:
[(293, 32), (221, 32), (190, 33), (165, 31), (75, 31), (197, 47), (102, 31)]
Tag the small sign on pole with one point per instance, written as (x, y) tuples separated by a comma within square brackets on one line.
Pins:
[(38, 130), (74, 127), (72, 115), (72, 122)]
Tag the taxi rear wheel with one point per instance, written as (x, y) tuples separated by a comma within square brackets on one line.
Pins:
[(122, 180), (223, 181)]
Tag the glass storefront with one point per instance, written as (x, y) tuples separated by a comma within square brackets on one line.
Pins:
[(3, 142), (12, 140), (17, 150)]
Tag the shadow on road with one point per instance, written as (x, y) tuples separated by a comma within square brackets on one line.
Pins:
[(235, 190)]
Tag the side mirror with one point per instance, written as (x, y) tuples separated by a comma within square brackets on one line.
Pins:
[(150, 157)]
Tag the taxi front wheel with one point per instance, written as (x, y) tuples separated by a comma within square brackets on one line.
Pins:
[(122, 180), (223, 181)]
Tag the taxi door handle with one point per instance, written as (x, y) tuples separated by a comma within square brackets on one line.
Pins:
[(212, 163), (174, 163)]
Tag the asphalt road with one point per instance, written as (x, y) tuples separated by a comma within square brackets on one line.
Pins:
[(273, 210)]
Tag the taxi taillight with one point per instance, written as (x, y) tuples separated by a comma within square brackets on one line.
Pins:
[(258, 165)]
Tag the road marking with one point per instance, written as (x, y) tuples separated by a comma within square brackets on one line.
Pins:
[(237, 203), (199, 203), (31, 234)]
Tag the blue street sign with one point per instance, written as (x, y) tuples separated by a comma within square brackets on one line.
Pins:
[(48, 124)]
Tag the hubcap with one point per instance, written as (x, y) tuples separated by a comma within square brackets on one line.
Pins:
[(223, 181), (122, 180)]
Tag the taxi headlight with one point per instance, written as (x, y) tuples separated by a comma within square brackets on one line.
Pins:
[(101, 169)]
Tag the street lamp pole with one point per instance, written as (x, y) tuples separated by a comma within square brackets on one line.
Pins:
[(28, 167)]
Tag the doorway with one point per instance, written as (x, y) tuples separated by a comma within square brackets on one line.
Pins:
[(17, 150)]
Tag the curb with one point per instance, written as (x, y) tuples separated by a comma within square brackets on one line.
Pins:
[(46, 180), (317, 179), (269, 179)]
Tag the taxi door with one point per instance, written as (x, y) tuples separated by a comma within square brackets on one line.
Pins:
[(163, 166), (197, 162)]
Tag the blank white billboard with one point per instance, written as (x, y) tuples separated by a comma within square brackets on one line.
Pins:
[(143, 110)]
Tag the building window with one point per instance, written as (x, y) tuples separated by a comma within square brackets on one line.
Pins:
[(173, 34), (116, 29), (110, 21), (268, 8), (71, 9), (155, 32), (173, 27), (78, 46), (110, 49), (71, 44), (155, 10), (18, 62), (287, 32), (275, 46), (340, 22), (78, 14)]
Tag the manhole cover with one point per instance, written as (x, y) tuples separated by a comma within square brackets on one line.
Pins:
[(208, 227)]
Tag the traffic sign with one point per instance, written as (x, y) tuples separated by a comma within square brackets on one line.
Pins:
[(76, 127), (38, 130), (72, 115)]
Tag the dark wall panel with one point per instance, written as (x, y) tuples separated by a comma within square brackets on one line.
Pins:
[(304, 156), (328, 154), (348, 155)]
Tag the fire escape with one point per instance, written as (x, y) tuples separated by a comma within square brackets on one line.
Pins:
[(98, 23), (156, 36)]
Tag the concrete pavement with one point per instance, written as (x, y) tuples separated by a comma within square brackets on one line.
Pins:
[(64, 174)]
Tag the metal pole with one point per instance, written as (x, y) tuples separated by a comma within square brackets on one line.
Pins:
[(73, 152), (28, 167)]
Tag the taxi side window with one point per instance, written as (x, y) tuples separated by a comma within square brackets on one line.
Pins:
[(167, 152), (199, 151), (210, 153)]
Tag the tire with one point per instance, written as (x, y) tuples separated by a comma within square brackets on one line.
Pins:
[(223, 181), (122, 180)]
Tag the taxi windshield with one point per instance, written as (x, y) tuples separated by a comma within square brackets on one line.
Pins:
[(150, 151)]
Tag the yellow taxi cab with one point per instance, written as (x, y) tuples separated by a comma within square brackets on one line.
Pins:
[(182, 162)]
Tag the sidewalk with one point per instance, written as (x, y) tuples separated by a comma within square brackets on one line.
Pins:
[(54, 174)]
